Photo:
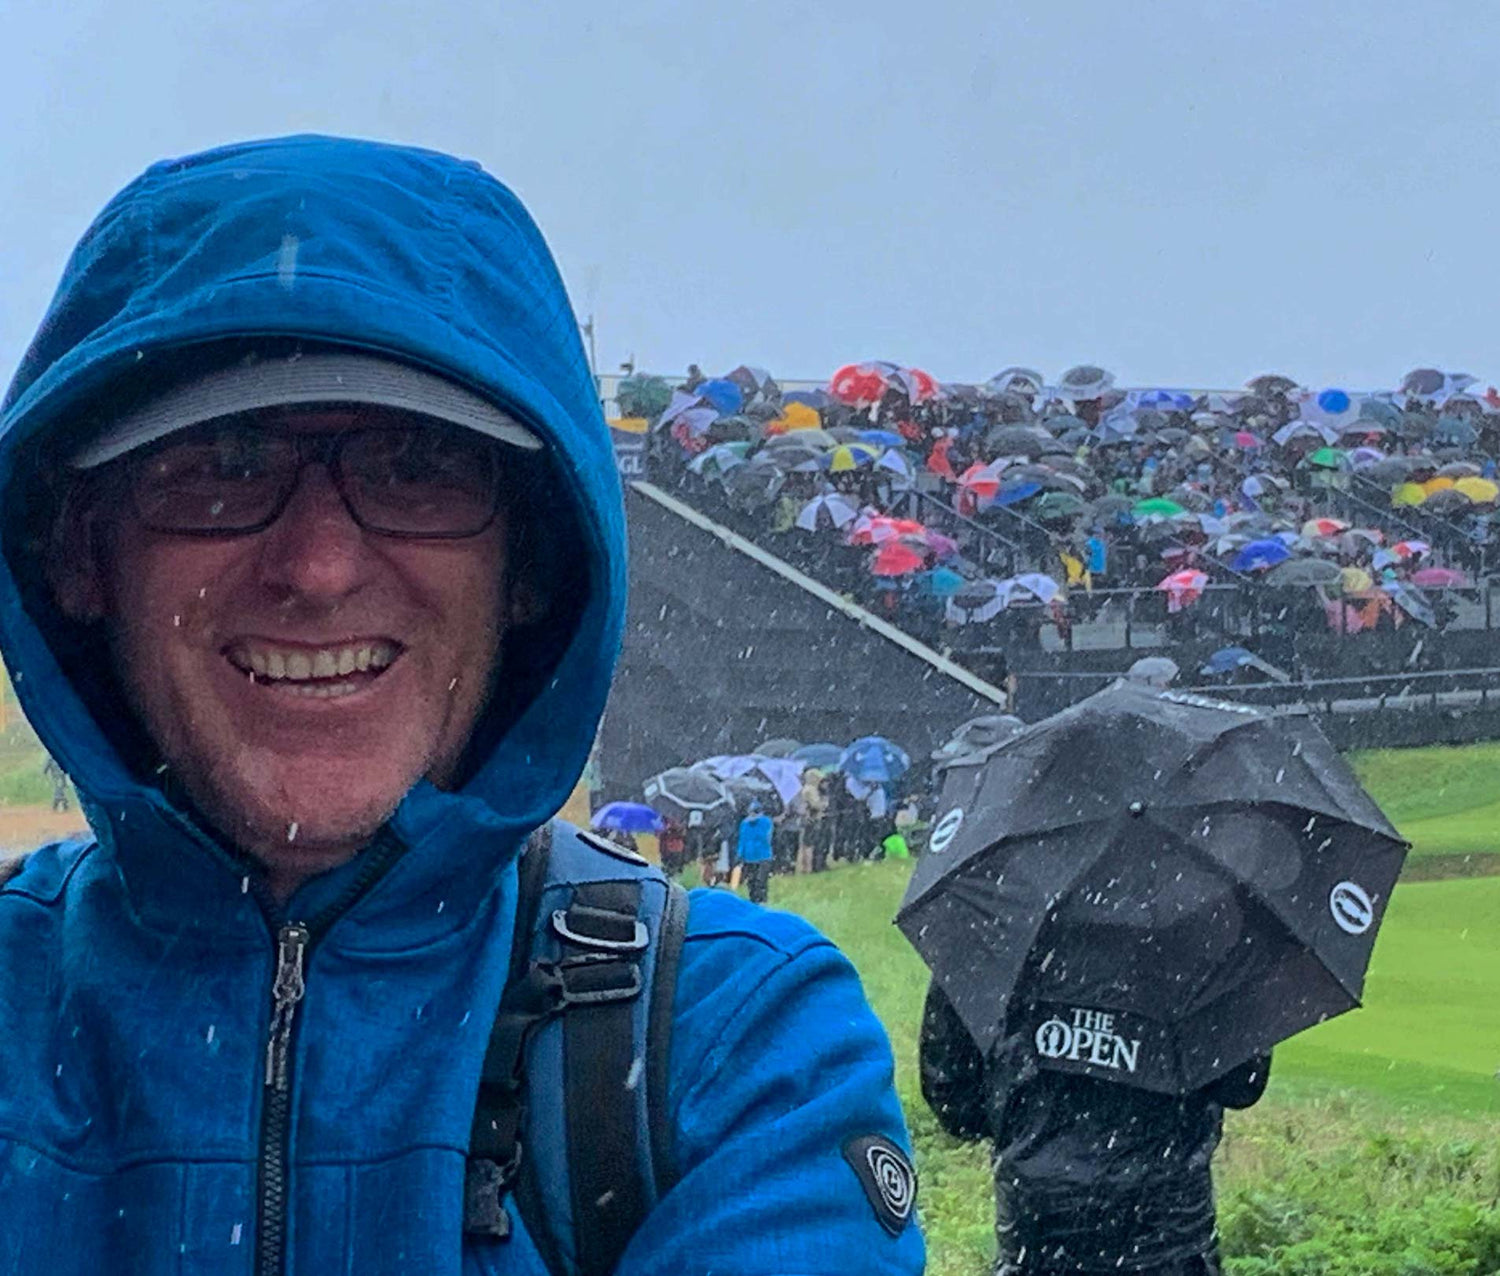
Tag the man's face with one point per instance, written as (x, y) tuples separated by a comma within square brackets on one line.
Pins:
[(300, 679)]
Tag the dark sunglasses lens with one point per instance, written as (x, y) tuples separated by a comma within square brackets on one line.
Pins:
[(421, 481), (217, 479)]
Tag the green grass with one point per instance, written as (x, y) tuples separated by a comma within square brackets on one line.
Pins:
[(1445, 800), (1417, 1062)]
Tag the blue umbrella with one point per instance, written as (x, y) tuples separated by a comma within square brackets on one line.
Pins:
[(817, 399), (885, 438), (1015, 493), (873, 759), (1260, 554), (940, 582), (723, 394), (824, 757), (627, 817), (1227, 660)]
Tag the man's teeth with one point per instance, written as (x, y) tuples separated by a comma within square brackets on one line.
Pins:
[(299, 665)]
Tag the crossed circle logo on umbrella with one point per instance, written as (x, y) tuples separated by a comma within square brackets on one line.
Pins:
[(946, 830), (1351, 907)]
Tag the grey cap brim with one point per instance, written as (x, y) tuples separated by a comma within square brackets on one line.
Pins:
[(309, 379)]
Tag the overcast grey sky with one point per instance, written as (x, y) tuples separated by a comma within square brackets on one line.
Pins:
[(1187, 193)]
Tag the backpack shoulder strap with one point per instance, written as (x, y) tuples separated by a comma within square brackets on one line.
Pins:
[(581, 1131)]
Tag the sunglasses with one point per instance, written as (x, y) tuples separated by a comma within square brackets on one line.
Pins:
[(236, 476)]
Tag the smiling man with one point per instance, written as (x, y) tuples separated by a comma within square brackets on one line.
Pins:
[(313, 580)]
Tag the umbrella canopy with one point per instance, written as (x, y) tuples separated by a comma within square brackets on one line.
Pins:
[(1306, 571), (873, 759), (1355, 580), (818, 439), (1329, 458), (723, 394), (1439, 578), (827, 509), (1153, 671), (720, 457), (782, 747), (1157, 505), (822, 757), (919, 386), (689, 797), (1226, 660), (1481, 491), (850, 456), (940, 582), (1261, 555), (876, 529), (1447, 502), (1056, 505), (1324, 527), (794, 417), (858, 384), (642, 395), (627, 817), (1153, 887), (1018, 440), (1185, 586), (898, 558), (976, 735), (755, 483), (978, 601)]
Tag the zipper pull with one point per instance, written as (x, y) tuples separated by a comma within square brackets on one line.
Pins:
[(291, 947)]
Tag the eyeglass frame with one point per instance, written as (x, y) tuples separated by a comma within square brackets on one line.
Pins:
[(326, 448)]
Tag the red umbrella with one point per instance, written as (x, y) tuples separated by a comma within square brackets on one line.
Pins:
[(1183, 588), (896, 558), (858, 384), (876, 529), (1439, 578), (920, 387)]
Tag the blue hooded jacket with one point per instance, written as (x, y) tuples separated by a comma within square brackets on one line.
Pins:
[(136, 966)]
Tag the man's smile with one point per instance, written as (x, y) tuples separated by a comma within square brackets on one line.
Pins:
[(320, 672)]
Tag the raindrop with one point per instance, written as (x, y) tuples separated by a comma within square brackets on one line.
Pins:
[(1280, 775), (177, 621), (235, 1234), (209, 1035), (291, 831), (442, 904), (245, 885), (633, 1079)]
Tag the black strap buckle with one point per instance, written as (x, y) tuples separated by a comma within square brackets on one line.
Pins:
[(601, 929), (597, 980)]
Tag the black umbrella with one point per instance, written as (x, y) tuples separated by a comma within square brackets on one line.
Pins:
[(757, 482), (1153, 886), (690, 797)]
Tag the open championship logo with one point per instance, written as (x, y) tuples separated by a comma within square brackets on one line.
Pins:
[(1090, 1038), (1351, 907), (946, 830)]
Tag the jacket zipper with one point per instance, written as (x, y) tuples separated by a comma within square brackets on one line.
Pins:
[(286, 995), (294, 943)]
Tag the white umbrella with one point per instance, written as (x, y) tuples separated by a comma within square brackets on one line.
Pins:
[(839, 510)]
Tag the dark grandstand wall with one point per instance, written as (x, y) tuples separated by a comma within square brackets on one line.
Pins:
[(721, 653)]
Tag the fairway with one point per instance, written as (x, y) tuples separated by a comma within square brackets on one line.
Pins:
[(1416, 1062), (1444, 800)]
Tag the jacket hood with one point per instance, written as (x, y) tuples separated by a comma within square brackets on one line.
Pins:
[(403, 252)]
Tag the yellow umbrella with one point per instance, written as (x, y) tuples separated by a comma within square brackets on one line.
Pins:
[(1479, 490), (1440, 484), (851, 456), (795, 416), (1409, 494), (1356, 580)]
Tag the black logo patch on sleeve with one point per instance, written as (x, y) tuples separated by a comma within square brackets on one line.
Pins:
[(887, 1177)]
